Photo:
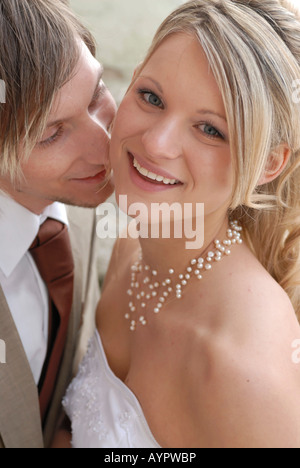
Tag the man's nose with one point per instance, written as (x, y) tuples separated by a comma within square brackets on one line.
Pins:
[(106, 112), (97, 132), (163, 139)]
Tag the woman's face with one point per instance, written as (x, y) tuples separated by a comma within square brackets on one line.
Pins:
[(170, 137)]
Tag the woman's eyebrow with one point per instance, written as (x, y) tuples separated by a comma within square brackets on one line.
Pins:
[(209, 111), (153, 81)]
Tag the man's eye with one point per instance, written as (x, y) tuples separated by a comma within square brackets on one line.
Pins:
[(52, 138), (150, 98)]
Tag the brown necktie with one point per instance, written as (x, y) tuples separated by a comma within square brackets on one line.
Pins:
[(52, 254)]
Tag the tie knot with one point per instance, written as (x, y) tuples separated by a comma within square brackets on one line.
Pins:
[(52, 251), (48, 230)]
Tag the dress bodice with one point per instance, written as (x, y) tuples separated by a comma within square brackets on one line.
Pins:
[(103, 411)]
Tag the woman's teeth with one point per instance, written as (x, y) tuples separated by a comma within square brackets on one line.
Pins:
[(150, 175)]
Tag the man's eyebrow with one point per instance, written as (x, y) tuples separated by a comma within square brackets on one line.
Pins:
[(99, 76)]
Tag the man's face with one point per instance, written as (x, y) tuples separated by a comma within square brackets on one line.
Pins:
[(70, 164)]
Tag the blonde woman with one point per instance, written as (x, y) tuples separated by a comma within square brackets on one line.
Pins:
[(195, 348)]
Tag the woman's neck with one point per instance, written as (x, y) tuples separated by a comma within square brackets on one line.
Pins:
[(165, 254), (164, 268)]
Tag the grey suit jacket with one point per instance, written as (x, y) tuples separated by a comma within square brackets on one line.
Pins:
[(20, 423)]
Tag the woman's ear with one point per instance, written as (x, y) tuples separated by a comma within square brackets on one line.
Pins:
[(277, 162)]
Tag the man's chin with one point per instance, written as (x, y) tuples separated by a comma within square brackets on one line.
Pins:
[(37, 200), (85, 202)]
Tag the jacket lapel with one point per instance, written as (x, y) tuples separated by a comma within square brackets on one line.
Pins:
[(88, 251), (81, 245), (20, 423)]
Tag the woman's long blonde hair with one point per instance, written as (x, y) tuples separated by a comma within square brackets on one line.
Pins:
[(253, 48)]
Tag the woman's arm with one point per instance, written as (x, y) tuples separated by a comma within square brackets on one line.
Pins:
[(63, 436)]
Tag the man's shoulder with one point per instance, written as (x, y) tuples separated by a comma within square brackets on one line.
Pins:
[(78, 215), (82, 225), (82, 229)]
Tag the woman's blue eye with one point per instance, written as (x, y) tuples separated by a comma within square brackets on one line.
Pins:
[(150, 98), (210, 131), (153, 99)]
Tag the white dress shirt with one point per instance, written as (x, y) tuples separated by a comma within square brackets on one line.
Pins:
[(23, 287)]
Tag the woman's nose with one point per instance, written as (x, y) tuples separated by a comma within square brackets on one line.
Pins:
[(164, 139)]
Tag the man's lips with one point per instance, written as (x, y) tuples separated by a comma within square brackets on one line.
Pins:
[(99, 177)]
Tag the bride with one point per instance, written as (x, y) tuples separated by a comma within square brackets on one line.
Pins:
[(194, 348)]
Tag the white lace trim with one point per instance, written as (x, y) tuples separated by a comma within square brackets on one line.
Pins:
[(103, 410)]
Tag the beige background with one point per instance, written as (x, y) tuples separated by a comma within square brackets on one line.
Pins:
[(123, 30)]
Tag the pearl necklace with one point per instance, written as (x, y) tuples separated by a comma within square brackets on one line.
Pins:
[(141, 294)]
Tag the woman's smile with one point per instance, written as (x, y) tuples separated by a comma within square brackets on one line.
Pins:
[(148, 177)]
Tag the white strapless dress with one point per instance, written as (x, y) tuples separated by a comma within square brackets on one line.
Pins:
[(103, 411)]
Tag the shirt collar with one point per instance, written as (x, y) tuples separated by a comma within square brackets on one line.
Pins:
[(19, 228), (55, 211)]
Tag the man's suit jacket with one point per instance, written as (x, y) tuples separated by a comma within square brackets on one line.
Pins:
[(20, 422)]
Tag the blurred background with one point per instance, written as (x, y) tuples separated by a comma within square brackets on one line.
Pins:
[(123, 30)]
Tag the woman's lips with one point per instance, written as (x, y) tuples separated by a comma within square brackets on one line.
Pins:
[(153, 170)]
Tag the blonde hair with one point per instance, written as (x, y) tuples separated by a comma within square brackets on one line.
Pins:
[(253, 48), (39, 53)]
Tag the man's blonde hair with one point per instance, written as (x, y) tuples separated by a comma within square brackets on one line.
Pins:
[(38, 54)]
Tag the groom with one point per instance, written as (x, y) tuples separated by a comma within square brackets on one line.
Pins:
[(54, 142)]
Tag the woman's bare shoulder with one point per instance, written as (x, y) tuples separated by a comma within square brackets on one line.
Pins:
[(246, 401), (246, 292), (250, 385)]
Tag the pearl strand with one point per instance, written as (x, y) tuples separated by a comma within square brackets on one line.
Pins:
[(140, 294)]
